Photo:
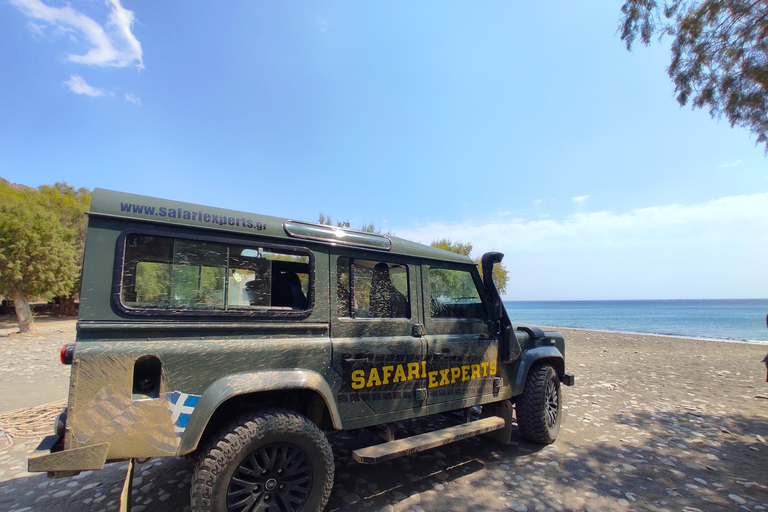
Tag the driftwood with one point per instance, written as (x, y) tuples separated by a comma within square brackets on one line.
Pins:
[(29, 423)]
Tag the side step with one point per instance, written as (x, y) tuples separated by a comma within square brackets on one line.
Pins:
[(421, 442)]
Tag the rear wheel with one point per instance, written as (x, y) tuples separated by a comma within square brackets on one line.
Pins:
[(539, 409), (274, 460)]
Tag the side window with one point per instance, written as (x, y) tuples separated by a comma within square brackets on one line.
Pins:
[(453, 294), (372, 289), (343, 293), (163, 273)]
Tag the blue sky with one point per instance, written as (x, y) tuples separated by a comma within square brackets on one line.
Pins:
[(520, 127)]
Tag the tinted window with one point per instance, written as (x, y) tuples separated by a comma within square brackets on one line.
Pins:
[(372, 289), (163, 273), (453, 294)]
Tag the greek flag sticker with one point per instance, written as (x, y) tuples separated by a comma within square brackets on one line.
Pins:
[(182, 405)]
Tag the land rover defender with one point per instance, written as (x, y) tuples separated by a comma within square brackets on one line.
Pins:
[(241, 340)]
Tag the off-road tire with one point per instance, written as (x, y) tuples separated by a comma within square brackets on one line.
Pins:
[(269, 460), (539, 410)]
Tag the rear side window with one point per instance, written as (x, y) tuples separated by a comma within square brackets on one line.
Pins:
[(372, 289), (453, 294), (171, 274)]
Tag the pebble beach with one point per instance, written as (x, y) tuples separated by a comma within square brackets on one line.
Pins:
[(652, 424)]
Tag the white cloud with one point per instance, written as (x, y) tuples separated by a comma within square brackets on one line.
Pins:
[(78, 86), (710, 250), (580, 199), (110, 45), (734, 164), (132, 98)]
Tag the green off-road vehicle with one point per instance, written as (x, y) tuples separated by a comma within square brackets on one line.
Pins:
[(243, 341)]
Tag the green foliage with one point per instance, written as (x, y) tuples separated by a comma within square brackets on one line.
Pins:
[(500, 274), (42, 238), (368, 227), (451, 284), (153, 283), (198, 286), (719, 54), (37, 256), (70, 205), (455, 247), (326, 221)]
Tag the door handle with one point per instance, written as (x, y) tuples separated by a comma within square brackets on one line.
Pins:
[(356, 360)]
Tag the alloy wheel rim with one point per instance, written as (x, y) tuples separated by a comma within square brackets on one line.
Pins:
[(551, 403), (273, 478)]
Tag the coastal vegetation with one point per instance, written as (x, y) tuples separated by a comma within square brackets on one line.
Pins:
[(717, 54), (500, 274), (42, 242), (42, 236)]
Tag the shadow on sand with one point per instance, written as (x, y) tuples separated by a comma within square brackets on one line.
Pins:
[(679, 459)]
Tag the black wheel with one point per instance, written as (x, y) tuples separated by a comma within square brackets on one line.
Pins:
[(539, 409), (268, 461)]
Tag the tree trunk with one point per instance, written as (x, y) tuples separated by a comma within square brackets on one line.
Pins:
[(68, 307), (23, 313)]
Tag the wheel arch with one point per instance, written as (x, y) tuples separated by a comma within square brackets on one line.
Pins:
[(302, 391), (536, 357)]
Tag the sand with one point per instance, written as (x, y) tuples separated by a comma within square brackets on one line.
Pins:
[(653, 423)]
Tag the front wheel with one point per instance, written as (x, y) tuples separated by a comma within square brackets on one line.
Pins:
[(268, 461), (539, 409)]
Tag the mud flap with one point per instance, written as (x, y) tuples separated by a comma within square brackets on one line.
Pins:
[(66, 462), (125, 496)]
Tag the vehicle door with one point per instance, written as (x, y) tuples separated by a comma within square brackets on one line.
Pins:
[(375, 330), (462, 347)]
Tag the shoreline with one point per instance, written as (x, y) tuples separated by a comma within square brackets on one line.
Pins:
[(741, 341), (728, 320), (9, 328)]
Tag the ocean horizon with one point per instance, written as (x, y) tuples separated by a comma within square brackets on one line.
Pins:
[(731, 320)]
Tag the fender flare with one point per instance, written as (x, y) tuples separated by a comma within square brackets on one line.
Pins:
[(249, 383), (532, 356)]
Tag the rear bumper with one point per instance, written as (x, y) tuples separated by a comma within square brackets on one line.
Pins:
[(568, 379), (49, 457)]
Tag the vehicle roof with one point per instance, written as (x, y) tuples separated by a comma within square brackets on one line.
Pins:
[(123, 205)]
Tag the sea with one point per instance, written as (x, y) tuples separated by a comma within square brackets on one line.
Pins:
[(733, 320)]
